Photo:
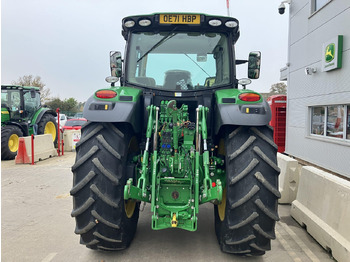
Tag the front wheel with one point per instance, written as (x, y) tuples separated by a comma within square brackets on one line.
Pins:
[(10, 141), (103, 219), (245, 219)]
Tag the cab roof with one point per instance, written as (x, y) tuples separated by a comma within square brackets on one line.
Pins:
[(6, 87), (180, 22)]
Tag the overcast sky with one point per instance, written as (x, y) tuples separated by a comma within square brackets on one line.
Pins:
[(67, 42)]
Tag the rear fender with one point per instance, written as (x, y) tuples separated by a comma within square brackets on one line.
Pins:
[(23, 126), (230, 110), (124, 108), (39, 114)]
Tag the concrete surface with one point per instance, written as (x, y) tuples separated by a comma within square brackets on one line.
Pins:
[(37, 226), (322, 206)]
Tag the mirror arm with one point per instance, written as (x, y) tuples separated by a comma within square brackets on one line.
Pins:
[(240, 62)]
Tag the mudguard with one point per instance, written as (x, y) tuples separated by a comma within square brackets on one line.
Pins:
[(230, 111), (114, 111), (39, 114)]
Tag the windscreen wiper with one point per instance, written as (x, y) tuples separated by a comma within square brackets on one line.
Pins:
[(196, 64), (161, 41)]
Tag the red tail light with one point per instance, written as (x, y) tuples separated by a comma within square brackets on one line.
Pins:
[(105, 94), (249, 97)]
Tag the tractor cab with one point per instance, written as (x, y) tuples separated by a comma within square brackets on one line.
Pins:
[(19, 103), (187, 57), (180, 52)]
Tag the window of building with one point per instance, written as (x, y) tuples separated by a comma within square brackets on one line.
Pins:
[(317, 122), (331, 121), (335, 121), (318, 4)]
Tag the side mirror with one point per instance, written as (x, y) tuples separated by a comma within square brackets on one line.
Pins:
[(116, 63), (32, 93), (254, 62)]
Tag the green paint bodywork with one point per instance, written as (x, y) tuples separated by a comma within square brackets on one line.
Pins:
[(5, 115), (177, 175)]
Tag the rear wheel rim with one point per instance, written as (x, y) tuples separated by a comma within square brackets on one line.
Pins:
[(129, 206), (222, 206), (13, 143), (50, 128)]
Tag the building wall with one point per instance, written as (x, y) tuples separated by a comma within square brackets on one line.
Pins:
[(307, 33)]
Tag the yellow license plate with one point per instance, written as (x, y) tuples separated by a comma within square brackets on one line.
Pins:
[(180, 19)]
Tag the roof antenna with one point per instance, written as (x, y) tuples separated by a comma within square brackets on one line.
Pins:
[(228, 7)]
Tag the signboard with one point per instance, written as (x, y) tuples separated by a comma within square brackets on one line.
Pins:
[(332, 52), (75, 138)]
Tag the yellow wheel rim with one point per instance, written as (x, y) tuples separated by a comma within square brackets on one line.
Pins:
[(222, 206), (13, 143), (50, 128), (129, 206)]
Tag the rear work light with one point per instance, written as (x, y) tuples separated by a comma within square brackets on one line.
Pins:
[(231, 24), (215, 22), (249, 97), (145, 22), (105, 94), (129, 23)]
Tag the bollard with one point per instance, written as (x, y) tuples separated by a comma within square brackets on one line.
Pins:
[(33, 150), (62, 142), (58, 133)]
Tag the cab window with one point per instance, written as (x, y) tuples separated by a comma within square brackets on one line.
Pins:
[(178, 61)]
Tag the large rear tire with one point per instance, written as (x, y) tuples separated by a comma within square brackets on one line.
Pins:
[(10, 135), (245, 220), (103, 219), (47, 125)]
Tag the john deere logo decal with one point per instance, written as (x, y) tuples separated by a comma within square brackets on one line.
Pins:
[(330, 51)]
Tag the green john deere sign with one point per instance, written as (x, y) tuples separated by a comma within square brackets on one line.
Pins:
[(332, 54)]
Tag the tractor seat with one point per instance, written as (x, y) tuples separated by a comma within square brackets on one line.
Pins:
[(178, 79)]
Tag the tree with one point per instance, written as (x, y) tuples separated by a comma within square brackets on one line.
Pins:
[(54, 103), (278, 88), (69, 105), (29, 80)]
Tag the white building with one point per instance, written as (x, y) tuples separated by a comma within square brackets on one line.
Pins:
[(318, 75)]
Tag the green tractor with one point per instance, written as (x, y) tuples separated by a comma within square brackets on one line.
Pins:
[(22, 115), (177, 133)]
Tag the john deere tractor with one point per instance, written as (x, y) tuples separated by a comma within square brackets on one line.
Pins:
[(22, 115), (180, 131)]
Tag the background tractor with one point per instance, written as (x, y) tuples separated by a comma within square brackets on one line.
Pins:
[(177, 133), (23, 115)]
